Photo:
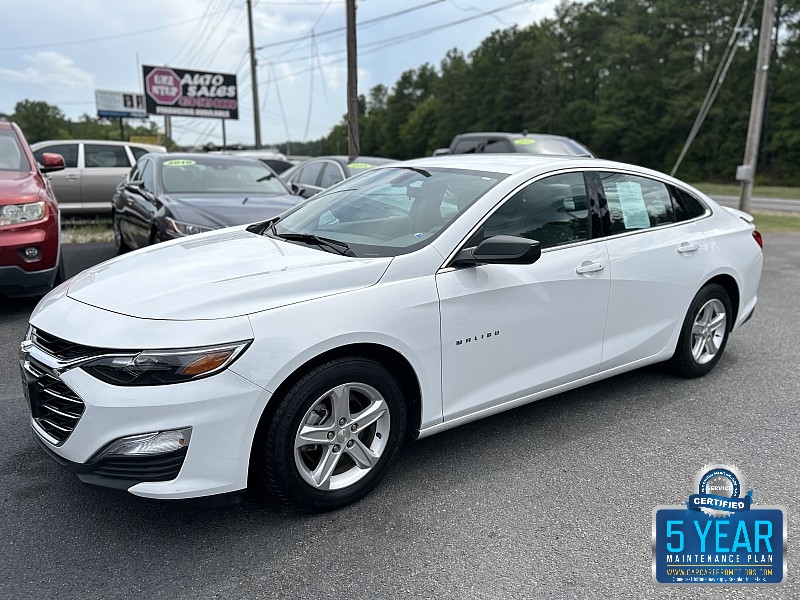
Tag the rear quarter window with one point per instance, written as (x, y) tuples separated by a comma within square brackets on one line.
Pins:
[(686, 206)]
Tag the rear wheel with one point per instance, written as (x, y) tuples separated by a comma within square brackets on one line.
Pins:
[(333, 435), (705, 332)]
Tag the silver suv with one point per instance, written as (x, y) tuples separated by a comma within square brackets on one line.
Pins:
[(94, 170)]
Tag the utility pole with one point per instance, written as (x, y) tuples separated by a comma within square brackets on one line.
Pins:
[(746, 172), (353, 143), (253, 78)]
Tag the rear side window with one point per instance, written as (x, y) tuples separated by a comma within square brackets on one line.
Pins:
[(554, 211), (101, 156), (68, 151), (636, 202), (686, 206)]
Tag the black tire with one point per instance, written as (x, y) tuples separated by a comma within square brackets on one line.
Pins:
[(286, 472), (692, 356), (119, 243), (156, 237)]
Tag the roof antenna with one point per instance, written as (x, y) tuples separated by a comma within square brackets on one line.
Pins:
[(524, 132)]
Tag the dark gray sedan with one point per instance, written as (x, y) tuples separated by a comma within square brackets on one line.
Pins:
[(167, 196)]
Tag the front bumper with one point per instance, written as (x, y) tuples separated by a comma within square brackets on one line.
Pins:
[(222, 410), (14, 281)]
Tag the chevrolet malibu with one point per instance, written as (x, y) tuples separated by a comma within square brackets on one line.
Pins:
[(302, 351)]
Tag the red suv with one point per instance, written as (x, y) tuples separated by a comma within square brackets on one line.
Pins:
[(30, 250)]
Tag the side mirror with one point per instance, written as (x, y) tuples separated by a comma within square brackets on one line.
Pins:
[(52, 162), (500, 250), (299, 190), (134, 185)]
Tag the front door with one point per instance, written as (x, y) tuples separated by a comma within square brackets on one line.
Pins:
[(512, 330)]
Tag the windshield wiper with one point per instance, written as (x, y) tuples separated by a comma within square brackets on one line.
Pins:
[(415, 169), (309, 238), (266, 177)]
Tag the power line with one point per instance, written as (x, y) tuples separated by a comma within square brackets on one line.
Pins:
[(361, 24)]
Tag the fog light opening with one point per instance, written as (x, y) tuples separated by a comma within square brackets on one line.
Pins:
[(31, 253), (150, 444)]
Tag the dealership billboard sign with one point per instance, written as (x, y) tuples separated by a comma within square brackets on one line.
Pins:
[(185, 93), (127, 105)]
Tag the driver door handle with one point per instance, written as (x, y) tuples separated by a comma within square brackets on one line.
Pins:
[(589, 268)]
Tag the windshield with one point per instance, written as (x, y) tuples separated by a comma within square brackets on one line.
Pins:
[(12, 157), (388, 211), (219, 175)]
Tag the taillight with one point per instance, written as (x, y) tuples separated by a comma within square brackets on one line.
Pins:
[(757, 238)]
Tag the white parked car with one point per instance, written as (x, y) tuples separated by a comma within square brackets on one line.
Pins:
[(302, 351)]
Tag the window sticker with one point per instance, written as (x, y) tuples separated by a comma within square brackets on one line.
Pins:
[(178, 162), (634, 211), (356, 165), (524, 141)]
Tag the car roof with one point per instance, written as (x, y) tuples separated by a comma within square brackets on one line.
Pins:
[(511, 136), (38, 145), (534, 164)]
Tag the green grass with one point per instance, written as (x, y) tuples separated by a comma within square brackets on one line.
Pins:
[(772, 222), (81, 230), (761, 191)]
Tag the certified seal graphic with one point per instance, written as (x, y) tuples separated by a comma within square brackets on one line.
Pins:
[(718, 491)]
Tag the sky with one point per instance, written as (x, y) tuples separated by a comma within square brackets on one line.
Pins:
[(61, 52)]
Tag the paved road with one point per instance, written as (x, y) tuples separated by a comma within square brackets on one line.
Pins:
[(762, 204), (552, 500)]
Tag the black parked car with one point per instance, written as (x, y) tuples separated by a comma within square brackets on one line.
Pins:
[(167, 196)]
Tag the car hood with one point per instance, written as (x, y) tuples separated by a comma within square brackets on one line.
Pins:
[(218, 275), (16, 186), (224, 210)]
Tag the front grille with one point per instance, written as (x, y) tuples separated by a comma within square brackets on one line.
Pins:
[(64, 350), (54, 406)]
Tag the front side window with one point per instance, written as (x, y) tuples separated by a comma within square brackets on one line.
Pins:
[(96, 156), (553, 211), (331, 175), (636, 203), (310, 173), (148, 176), (68, 151), (387, 212)]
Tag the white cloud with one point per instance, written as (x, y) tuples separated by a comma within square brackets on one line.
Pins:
[(51, 70)]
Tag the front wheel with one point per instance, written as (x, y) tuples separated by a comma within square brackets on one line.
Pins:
[(333, 435), (705, 332)]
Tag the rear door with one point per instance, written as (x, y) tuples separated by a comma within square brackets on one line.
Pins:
[(656, 265)]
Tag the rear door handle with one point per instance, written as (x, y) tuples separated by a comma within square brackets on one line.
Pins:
[(686, 247), (72, 177), (589, 268)]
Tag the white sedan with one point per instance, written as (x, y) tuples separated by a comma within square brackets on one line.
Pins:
[(302, 352)]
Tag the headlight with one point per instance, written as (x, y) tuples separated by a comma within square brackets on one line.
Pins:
[(13, 214), (161, 367), (179, 228)]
